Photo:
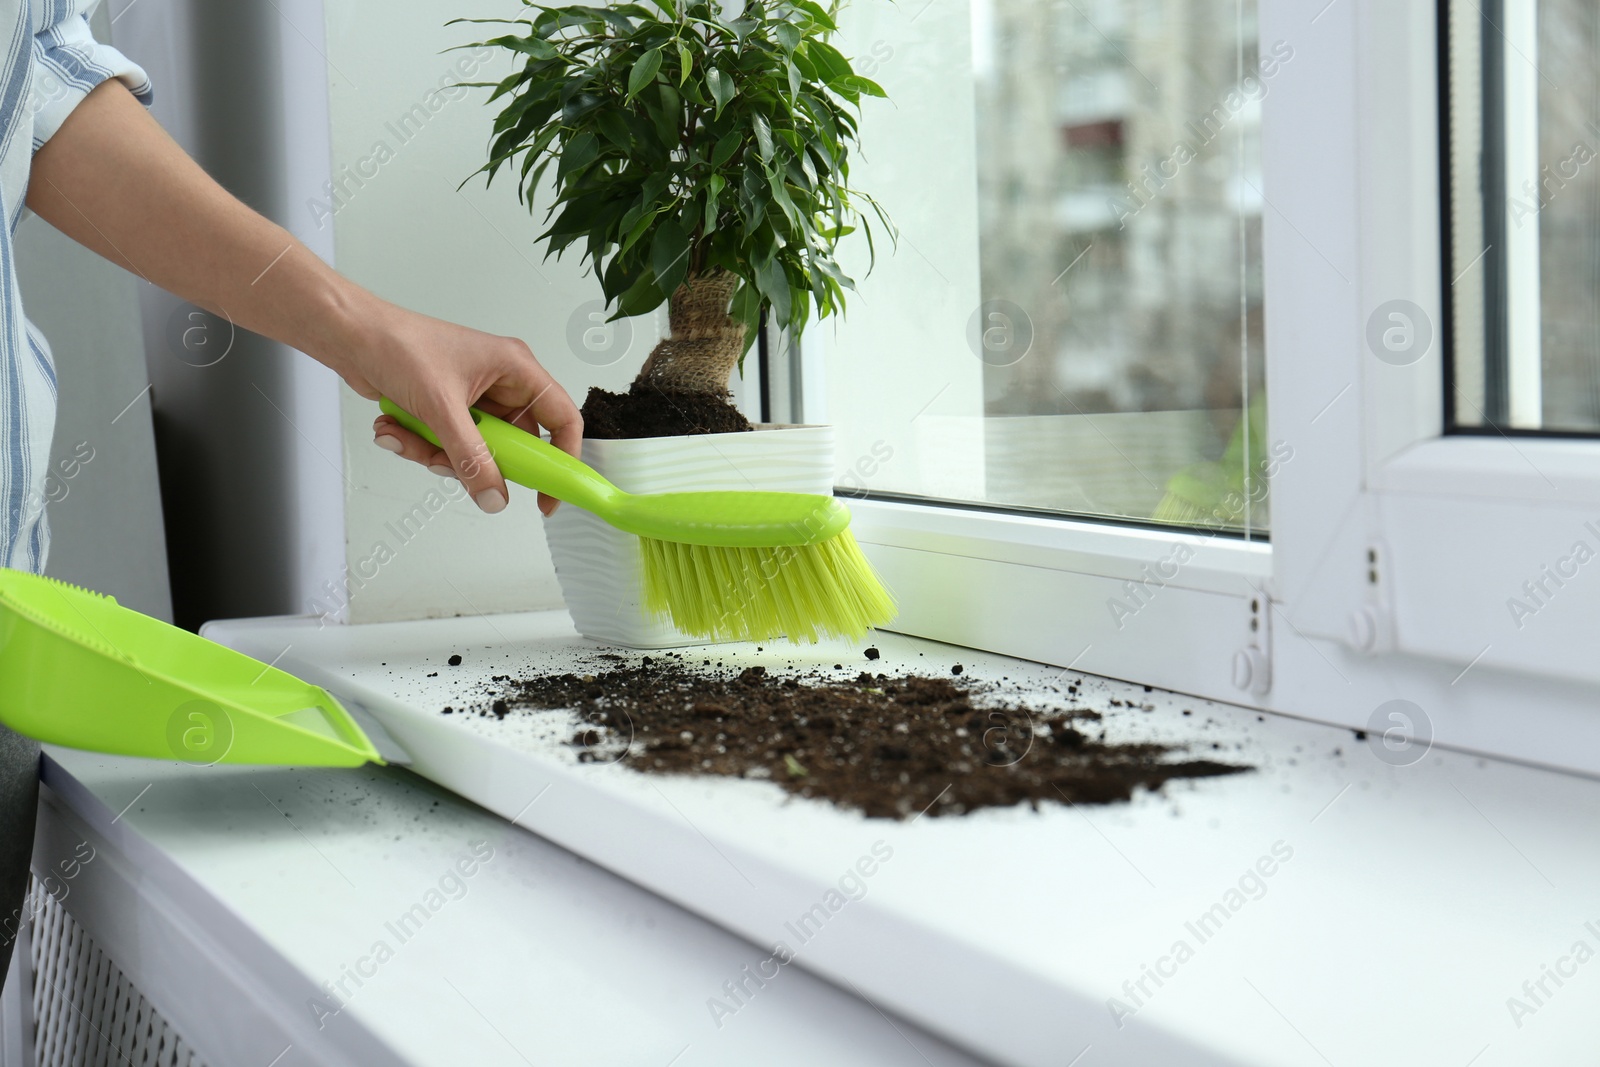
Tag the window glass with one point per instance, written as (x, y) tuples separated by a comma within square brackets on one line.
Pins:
[(1523, 179), (1072, 318)]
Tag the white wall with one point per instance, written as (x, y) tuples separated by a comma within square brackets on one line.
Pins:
[(469, 256)]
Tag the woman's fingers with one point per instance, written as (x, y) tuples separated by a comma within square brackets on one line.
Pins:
[(468, 455), (464, 455), (568, 436), (528, 397), (536, 399), (390, 436), (557, 413)]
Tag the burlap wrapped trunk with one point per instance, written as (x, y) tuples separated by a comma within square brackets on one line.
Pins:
[(705, 344)]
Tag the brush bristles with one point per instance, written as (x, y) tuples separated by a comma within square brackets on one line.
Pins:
[(1177, 509), (756, 594)]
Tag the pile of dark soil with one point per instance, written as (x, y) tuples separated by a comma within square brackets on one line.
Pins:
[(645, 411), (889, 747)]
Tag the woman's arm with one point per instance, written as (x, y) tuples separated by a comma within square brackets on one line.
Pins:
[(113, 180)]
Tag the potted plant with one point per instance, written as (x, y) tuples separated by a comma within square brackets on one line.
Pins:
[(701, 160)]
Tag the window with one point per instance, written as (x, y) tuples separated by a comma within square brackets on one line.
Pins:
[(1072, 319), (1401, 535), (1524, 182)]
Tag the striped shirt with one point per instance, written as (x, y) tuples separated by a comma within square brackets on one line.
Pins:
[(48, 63)]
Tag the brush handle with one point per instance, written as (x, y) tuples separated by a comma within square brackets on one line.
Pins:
[(529, 460)]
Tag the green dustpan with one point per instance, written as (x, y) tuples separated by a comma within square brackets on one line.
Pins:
[(78, 669)]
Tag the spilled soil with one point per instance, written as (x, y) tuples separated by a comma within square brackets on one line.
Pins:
[(890, 747), (645, 411)]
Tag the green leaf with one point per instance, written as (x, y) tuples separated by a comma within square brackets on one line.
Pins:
[(754, 195), (864, 85), (714, 186), (576, 219), (617, 278), (530, 181), (791, 139), (763, 136), (831, 269), (637, 230), (685, 63), (513, 112), (788, 35), (667, 115), (617, 19), (831, 64), (746, 308), (498, 22), (654, 186), (817, 13), (506, 84), (644, 71), (808, 69), (541, 142), (528, 46), (722, 89), (578, 106), (774, 285), (577, 154), (642, 297), (803, 190), (669, 254), (615, 129), (727, 145), (780, 196)]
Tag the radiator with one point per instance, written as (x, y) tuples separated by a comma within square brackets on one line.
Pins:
[(86, 1012)]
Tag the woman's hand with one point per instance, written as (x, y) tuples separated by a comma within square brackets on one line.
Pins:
[(436, 370)]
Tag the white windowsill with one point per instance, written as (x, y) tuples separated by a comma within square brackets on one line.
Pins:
[(1010, 930)]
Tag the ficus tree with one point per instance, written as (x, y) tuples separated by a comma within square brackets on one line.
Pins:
[(701, 157)]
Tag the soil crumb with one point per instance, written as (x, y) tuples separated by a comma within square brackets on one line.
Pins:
[(645, 411), (888, 747)]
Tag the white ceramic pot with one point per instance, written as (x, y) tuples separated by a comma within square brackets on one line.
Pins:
[(598, 565)]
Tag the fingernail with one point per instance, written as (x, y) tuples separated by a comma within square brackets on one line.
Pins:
[(491, 501), (442, 471), (388, 443)]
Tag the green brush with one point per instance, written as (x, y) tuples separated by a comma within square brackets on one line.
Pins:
[(1215, 493), (726, 566)]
